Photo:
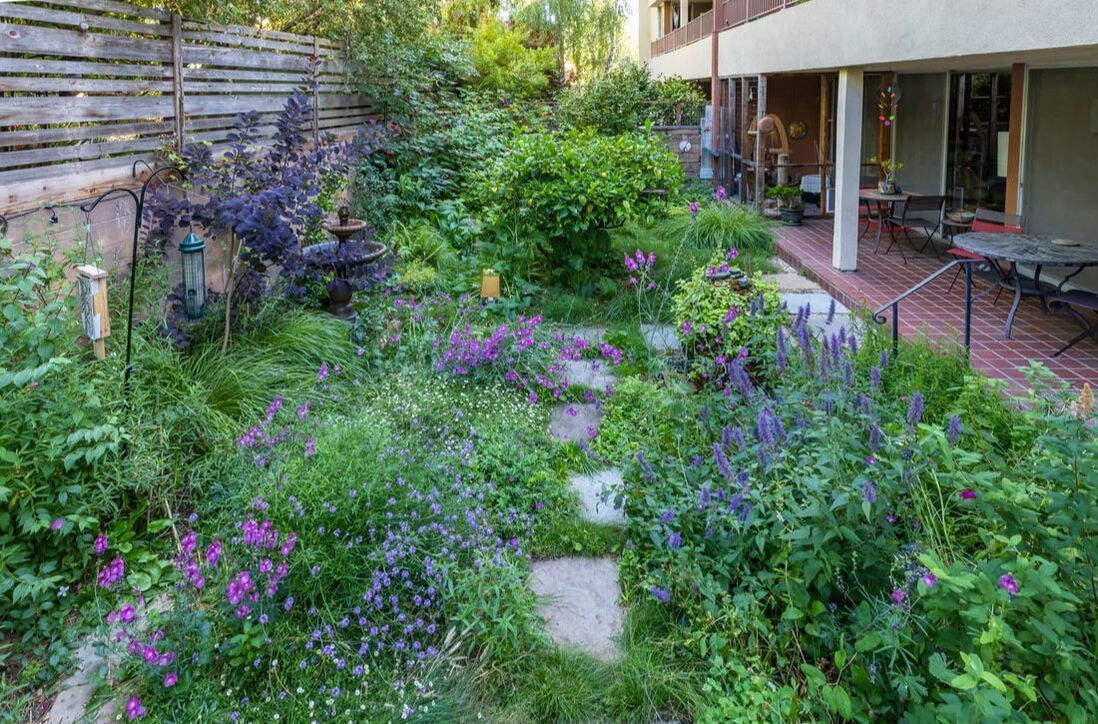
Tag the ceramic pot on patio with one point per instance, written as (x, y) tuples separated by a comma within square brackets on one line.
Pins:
[(793, 216)]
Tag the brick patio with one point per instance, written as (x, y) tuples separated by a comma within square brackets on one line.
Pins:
[(882, 277)]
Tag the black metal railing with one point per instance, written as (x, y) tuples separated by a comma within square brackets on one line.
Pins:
[(894, 305)]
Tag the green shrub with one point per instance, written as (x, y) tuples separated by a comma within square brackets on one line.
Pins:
[(59, 439), (640, 416), (507, 65), (553, 197), (626, 98)]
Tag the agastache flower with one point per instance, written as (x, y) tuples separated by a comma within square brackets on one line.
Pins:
[(915, 409), (953, 432), (660, 594)]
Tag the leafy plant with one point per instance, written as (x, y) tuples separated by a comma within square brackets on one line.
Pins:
[(507, 65), (715, 225), (553, 197), (789, 197), (626, 98)]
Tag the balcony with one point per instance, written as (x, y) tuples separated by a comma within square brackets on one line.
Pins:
[(736, 12)]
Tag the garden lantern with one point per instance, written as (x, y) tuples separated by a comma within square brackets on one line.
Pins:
[(194, 275)]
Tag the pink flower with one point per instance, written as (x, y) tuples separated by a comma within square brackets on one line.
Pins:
[(968, 494), (57, 525)]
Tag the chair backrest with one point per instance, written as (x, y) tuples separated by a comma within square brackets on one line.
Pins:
[(925, 203), (997, 222)]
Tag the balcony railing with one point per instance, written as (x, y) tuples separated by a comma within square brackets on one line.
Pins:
[(736, 12), (698, 28)]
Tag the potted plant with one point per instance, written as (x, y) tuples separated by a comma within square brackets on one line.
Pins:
[(888, 185), (789, 203)]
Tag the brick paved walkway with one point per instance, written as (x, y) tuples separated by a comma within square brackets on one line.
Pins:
[(882, 277)]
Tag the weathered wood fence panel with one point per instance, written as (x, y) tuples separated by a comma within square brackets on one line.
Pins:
[(89, 87)]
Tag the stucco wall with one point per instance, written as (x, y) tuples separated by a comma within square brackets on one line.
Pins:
[(692, 62), (828, 34)]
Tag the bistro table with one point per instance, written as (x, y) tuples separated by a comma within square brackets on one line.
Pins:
[(1032, 250), (883, 202)]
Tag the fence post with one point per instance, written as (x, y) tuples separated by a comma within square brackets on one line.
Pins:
[(177, 80), (316, 90)]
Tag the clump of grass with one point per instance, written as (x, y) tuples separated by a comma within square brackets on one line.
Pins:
[(723, 225)]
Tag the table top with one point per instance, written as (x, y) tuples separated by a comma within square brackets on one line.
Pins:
[(1028, 248), (874, 195)]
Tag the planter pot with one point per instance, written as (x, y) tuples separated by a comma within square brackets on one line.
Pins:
[(792, 217), (889, 188)]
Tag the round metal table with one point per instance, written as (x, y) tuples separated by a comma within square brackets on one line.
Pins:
[(1030, 249)]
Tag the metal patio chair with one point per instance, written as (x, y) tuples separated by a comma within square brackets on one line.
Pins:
[(917, 212), (1072, 301), (990, 222)]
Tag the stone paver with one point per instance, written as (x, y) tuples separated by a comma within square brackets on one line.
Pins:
[(71, 705), (793, 283), (595, 374), (597, 496), (566, 426), (580, 603), (593, 335), (661, 338)]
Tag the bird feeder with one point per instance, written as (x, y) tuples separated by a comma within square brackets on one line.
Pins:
[(91, 290), (191, 252), (489, 284)]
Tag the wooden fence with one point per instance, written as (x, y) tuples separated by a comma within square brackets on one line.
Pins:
[(88, 87)]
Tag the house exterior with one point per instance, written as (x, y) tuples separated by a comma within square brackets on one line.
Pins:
[(992, 103)]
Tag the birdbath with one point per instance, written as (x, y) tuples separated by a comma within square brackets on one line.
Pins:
[(344, 258)]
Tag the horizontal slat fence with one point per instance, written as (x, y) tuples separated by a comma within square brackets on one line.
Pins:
[(88, 87)]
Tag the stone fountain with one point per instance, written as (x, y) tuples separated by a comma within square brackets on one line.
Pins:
[(345, 259)]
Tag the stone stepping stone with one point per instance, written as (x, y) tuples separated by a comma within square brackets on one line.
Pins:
[(597, 496), (661, 338), (595, 374), (793, 283), (593, 335), (819, 303), (781, 265), (580, 603), (567, 427)]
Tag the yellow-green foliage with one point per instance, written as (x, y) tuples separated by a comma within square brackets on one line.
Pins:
[(504, 63)]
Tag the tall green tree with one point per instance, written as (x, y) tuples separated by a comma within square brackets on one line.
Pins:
[(586, 34)]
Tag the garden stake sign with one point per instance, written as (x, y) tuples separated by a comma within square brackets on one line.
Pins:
[(489, 284), (91, 289)]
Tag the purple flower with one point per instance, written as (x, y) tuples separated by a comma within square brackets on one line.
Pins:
[(721, 193), (732, 254), (953, 432), (869, 492), (1007, 583), (875, 377), (874, 438), (693, 208), (674, 540), (533, 398), (310, 447), (899, 597), (967, 494), (100, 545), (929, 580), (57, 525), (170, 680), (322, 373), (667, 516), (915, 409), (660, 594), (134, 709)]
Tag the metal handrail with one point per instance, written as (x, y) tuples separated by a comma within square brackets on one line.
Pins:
[(880, 318)]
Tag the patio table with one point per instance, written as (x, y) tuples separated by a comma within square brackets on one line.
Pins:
[(1031, 249), (871, 198)]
